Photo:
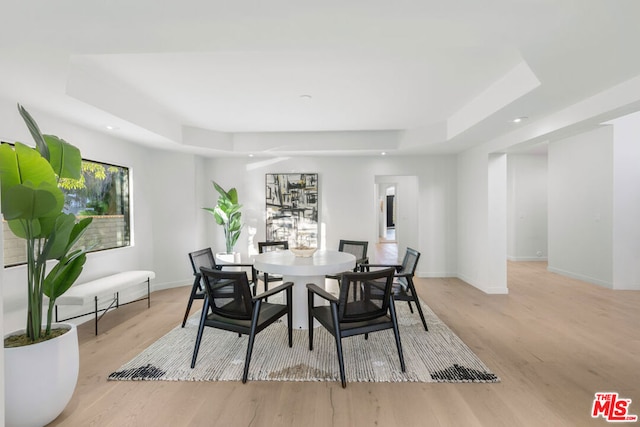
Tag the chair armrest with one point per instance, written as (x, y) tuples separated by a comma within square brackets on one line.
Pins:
[(313, 288), (398, 267), (336, 276), (273, 291), (234, 265)]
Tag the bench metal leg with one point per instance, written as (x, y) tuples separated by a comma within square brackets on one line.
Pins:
[(96, 313)]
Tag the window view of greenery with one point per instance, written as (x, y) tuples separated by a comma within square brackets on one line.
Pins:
[(102, 193)]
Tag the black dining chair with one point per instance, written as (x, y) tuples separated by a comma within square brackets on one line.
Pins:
[(267, 247), (403, 286), (230, 306), (205, 258), (346, 316), (357, 248)]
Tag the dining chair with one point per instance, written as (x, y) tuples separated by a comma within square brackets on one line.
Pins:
[(205, 258), (238, 311), (403, 287), (346, 316), (357, 248), (267, 247)]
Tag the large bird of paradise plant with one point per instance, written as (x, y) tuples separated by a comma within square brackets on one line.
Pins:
[(32, 205)]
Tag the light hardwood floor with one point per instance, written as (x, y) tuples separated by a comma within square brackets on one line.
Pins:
[(553, 341)]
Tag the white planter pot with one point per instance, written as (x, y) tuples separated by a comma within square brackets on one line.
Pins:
[(39, 379), (228, 257)]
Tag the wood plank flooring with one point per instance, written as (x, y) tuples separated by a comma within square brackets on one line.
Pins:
[(553, 341)]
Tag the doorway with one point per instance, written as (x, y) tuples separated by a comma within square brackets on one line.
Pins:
[(388, 216), (401, 229)]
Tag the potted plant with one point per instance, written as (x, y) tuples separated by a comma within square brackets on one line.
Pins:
[(32, 205), (227, 213)]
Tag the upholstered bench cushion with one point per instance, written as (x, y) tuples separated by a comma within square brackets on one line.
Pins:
[(84, 293)]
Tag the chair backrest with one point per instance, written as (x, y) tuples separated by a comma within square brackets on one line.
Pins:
[(356, 248), (359, 284), (272, 246), (202, 258), (228, 293), (410, 261), (409, 264)]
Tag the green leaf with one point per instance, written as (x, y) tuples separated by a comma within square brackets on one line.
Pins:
[(232, 195), (35, 132), (19, 165), (57, 243), (63, 275), (65, 158), (220, 190), (18, 227), (24, 201)]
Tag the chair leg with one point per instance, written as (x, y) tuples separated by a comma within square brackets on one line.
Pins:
[(417, 301), (203, 317), (194, 290), (252, 337), (310, 318), (410, 307), (266, 284), (396, 332), (338, 337), (290, 315)]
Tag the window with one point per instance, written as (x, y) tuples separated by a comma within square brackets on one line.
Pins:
[(102, 193)]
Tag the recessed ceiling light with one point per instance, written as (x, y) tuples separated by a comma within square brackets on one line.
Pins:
[(250, 155), (110, 127), (519, 119), (384, 153), (306, 97)]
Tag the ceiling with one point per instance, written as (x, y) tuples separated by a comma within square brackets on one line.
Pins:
[(300, 77)]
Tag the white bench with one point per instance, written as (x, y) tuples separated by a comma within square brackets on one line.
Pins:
[(84, 293)]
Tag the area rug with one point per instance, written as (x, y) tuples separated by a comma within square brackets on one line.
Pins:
[(438, 355)]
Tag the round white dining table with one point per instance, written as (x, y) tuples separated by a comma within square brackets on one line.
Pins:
[(301, 271)]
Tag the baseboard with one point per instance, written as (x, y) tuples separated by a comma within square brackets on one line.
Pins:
[(434, 274), (582, 277), (495, 290), (526, 258)]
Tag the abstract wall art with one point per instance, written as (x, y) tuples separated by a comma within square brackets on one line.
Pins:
[(292, 208)]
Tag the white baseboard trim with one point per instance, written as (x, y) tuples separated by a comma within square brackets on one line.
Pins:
[(582, 277), (434, 275), (526, 258), (495, 290)]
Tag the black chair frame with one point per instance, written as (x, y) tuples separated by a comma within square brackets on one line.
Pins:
[(405, 272), (343, 323), (245, 314), (262, 248), (197, 288)]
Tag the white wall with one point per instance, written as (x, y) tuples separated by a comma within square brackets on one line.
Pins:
[(481, 237), (626, 202), (581, 206), (527, 207), (348, 201)]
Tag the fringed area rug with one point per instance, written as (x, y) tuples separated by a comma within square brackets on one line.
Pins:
[(434, 356)]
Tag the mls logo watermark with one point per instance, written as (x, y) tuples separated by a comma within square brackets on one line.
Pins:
[(612, 408)]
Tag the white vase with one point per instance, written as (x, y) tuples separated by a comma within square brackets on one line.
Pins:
[(39, 379)]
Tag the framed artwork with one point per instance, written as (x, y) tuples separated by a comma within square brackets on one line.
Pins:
[(292, 208)]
